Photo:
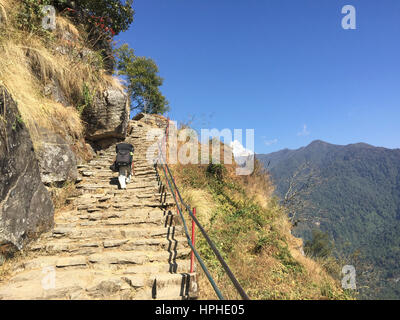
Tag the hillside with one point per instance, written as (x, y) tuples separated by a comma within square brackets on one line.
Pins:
[(253, 233), (356, 199)]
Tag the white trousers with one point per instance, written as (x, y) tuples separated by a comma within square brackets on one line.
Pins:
[(124, 176)]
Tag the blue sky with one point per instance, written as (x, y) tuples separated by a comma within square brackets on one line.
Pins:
[(285, 68)]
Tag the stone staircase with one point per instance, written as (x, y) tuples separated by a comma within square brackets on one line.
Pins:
[(115, 244)]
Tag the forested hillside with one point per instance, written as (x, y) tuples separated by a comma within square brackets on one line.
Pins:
[(353, 193)]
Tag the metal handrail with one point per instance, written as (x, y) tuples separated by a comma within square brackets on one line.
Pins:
[(173, 187), (203, 266)]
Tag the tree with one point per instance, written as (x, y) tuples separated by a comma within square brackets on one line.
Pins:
[(114, 14), (301, 184), (143, 81), (320, 246)]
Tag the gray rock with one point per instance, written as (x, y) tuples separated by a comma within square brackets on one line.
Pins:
[(108, 117), (53, 90), (62, 50), (87, 55), (57, 162), (26, 209), (153, 120), (68, 36)]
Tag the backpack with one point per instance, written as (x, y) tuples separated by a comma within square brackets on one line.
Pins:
[(124, 154)]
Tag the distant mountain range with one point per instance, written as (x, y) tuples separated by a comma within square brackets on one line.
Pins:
[(356, 201)]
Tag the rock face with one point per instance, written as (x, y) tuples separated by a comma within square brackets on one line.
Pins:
[(57, 162), (153, 120), (26, 209), (108, 117), (53, 91)]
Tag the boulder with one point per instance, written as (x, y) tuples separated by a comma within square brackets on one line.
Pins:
[(26, 209), (57, 162), (153, 120), (108, 117)]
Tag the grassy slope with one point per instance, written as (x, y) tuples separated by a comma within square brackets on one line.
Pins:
[(254, 235)]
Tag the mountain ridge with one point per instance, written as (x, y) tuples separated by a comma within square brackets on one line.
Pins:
[(359, 195)]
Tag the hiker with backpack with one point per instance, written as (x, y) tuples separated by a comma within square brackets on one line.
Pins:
[(123, 163)]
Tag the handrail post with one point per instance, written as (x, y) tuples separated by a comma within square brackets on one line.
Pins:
[(193, 242)]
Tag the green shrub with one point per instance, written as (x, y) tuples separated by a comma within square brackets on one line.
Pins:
[(320, 246), (216, 170), (261, 243), (87, 100), (113, 15)]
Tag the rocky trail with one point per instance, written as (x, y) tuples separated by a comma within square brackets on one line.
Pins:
[(114, 244)]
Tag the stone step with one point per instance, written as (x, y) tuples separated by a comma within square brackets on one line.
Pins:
[(82, 197), (106, 169), (142, 204), (112, 232), (177, 266), (93, 284), (170, 287), (130, 186), (112, 182), (108, 260), (120, 206), (84, 247), (103, 203), (166, 218), (111, 220), (142, 214), (92, 174), (102, 188), (137, 257)]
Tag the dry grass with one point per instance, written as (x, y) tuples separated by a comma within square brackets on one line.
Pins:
[(10, 266), (258, 184), (3, 13), (60, 196), (29, 62), (36, 110), (64, 25), (202, 201)]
